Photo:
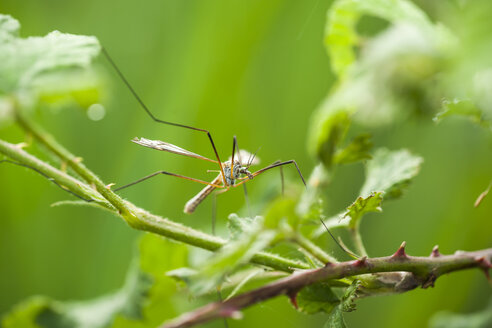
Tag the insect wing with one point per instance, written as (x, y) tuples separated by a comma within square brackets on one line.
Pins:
[(165, 146), (245, 157)]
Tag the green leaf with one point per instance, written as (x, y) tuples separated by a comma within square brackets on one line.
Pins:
[(341, 36), (316, 298), (248, 238), (462, 107), (281, 211), (239, 286), (9, 27), (348, 300), (329, 127), (361, 206), (357, 150), (157, 256), (184, 274), (391, 172), (335, 319), (445, 319), (144, 297), (238, 226), (55, 67), (24, 314)]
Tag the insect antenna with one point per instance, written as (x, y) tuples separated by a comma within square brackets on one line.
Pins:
[(252, 157), (276, 164), (147, 110)]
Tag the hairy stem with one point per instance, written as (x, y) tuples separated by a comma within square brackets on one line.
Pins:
[(357, 239), (75, 163), (139, 219), (64, 180), (423, 272), (314, 250)]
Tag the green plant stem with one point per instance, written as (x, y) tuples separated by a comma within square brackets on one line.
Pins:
[(75, 163), (314, 250), (68, 182), (141, 219), (176, 231), (357, 239), (422, 271)]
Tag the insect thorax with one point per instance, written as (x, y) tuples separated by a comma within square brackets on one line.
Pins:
[(236, 172)]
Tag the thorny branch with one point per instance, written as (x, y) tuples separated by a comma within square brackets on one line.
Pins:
[(393, 274), (399, 273)]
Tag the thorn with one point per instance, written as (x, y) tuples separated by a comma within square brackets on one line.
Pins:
[(109, 186), (77, 160), (485, 265), (63, 166), (360, 262), (293, 299), (21, 145), (400, 252), (435, 252), (230, 312)]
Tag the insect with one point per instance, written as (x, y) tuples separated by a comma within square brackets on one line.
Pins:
[(232, 173)]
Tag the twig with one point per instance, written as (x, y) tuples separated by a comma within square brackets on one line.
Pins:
[(357, 239), (141, 219), (75, 163), (314, 250), (62, 179), (423, 272)]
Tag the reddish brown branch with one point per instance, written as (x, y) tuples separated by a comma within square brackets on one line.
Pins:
[(417, 271)]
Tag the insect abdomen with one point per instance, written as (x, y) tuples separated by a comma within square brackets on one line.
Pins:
[(192, 204)]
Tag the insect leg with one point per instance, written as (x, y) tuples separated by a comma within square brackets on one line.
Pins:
[(212, 184), (246, 196), (345, 249), (271, 166), (142, 104), (281, 176)]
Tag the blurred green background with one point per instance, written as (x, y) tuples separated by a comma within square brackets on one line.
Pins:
[(255, 69)]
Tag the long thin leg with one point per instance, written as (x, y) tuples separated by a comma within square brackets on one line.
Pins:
[(193, 203), (214, 212), (281, 176), (47, 177), (140, 101), (271, 167), (219, 296), (171, 174), (282, 179), (214, 217), (345, 249), (246, 196), (234, 142)]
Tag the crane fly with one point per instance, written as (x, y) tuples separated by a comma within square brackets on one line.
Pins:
[(230, 171), (234, 172)]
